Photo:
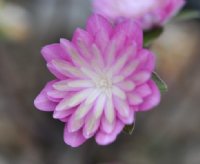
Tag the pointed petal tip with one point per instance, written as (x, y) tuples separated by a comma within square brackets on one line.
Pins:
[(64, 42), (41, 102), (96, 23)]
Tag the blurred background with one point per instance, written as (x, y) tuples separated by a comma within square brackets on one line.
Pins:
[(169, 134)]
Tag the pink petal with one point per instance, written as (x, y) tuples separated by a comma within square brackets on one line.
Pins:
[(56, 94), (54, 51), (148, 12), (83, 110), (105, 139), (65, 120), (92, 97), (107, 126), (128, 120), (134, 99), (143, 90), (123, 57), (73, 100), (118, 38), (82, 39), (114, 46), (134, 109), (151, 62), (101, 40), (74, 54), (126, 85), (91, 126), (147, 60), (141, 77), (56, 100), (98, 60), (152, 100), (124, 112), (73, 139), (42, 102), (133, 32), (170, 9), (116, 91), (99, 106), (62, 114), (74, 123), (55, 72), (109, 111), (66, 68), (97, 23), (130, 68), (65, 86)]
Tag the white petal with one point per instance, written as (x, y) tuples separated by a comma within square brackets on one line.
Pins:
[(89, 73), (107, 126), (75, 56), (66, 68), (82, 110), (99, 106), (83, 45), (109, 111), (129, 119), (91, 126), (76, 99), (102, 39), (134, 99), (141, 77), (124, 56), (118, 92), (72, 85), (98, 56), (126, 85), (117, 79), (61, 85), (116, 43), (110, 53), (122, 107), (75, 124), (80, 84), (56, 94), (130, 68), (93, 96)]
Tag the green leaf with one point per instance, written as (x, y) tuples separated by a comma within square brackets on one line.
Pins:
[(159, 82), (128, 129), (151, 35), (186, 14)]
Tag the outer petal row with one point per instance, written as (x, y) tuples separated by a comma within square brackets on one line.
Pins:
[(54, 51), (77, 138), (152, 100), (42, 101), (130, 28)]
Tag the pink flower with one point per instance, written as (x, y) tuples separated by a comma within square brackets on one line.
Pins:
[(102, 78), (149, 12)]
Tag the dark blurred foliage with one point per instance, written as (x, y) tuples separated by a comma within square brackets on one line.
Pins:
[(168, 134), (193, 4)]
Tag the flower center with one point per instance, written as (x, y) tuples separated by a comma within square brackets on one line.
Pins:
[(104, 83)]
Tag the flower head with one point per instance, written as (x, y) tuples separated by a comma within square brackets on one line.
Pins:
[(103, 76), (149, 12)]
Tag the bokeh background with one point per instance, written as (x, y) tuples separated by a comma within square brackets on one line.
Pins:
[(169, 134)]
